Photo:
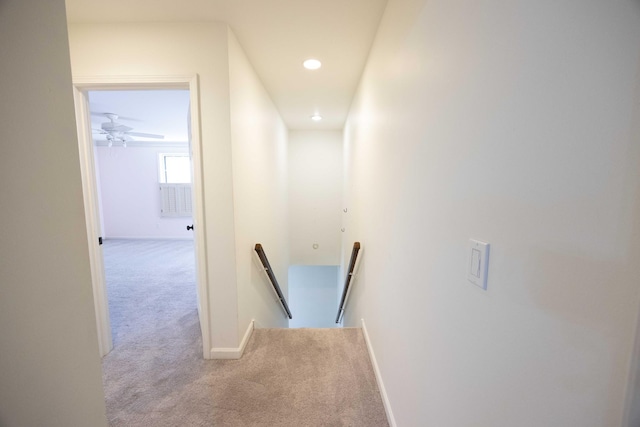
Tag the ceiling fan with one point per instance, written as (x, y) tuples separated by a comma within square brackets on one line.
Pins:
[(118, 132)]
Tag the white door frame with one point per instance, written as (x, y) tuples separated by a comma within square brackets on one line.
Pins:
[(81, 87)]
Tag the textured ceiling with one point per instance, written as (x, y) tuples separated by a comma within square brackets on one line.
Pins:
[(277, 35)]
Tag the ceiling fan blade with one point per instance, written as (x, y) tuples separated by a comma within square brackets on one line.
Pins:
[(105, 114), (145, 135), (101, 131), (130, 119)]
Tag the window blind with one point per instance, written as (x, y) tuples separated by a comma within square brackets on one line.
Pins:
[(175, 200)]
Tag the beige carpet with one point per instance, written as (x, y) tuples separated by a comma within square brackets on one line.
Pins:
[(155, 376), (287, 377)]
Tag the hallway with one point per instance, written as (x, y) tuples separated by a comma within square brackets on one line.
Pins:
[(156, 375), (430, 126)]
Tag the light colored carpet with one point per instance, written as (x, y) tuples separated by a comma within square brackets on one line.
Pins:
[(150, 284), (156, 376)]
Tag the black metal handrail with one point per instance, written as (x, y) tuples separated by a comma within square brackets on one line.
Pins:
[(347, 280), (272, 278)]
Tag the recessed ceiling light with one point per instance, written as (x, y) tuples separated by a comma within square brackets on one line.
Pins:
[(316, 117), (312, 64)]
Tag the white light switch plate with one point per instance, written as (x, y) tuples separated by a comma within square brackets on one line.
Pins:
[(478, 263)]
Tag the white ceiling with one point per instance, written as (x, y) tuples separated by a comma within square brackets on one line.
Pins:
[(163, 112), (277, 35)]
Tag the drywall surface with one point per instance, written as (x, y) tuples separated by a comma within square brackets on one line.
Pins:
[(312, 296), (632, 412), (50, 370), (315, 197), (183, 49), (515, 123), (259, 140), (130, 196)]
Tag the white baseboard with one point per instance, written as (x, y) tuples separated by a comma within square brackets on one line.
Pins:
[(376, 370), (233, 353)]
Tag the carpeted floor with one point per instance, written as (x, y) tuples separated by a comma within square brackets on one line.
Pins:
[(155, 376), (150, 284)]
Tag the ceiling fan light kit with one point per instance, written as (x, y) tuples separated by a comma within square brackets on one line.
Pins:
[(118, 132)]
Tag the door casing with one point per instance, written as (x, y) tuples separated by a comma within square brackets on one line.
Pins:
[(81, 88)]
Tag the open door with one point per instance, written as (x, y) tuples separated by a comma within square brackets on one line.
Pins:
[(194, 188), (92, 218)]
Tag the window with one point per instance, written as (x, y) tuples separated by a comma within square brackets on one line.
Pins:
[(174, 168), (174, 171)]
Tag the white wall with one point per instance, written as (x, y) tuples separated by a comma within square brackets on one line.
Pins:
[(259, 139), (312, 296), (315, 196), (130, 198), (152, 49), (515, 123), (633, 396), (50, 370)]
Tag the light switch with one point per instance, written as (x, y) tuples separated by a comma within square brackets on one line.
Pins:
[(475, 263), (478, 263)]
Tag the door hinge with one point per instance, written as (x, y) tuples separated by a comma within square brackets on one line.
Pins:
[(100, 240)]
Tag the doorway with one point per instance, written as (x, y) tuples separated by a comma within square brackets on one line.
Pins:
[(123, 138), (143, 173)]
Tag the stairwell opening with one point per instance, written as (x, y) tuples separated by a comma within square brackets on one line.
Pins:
[(313, 296)]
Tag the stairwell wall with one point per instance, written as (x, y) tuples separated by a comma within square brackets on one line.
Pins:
[(259, 148), (515, 123), (315, 196)]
